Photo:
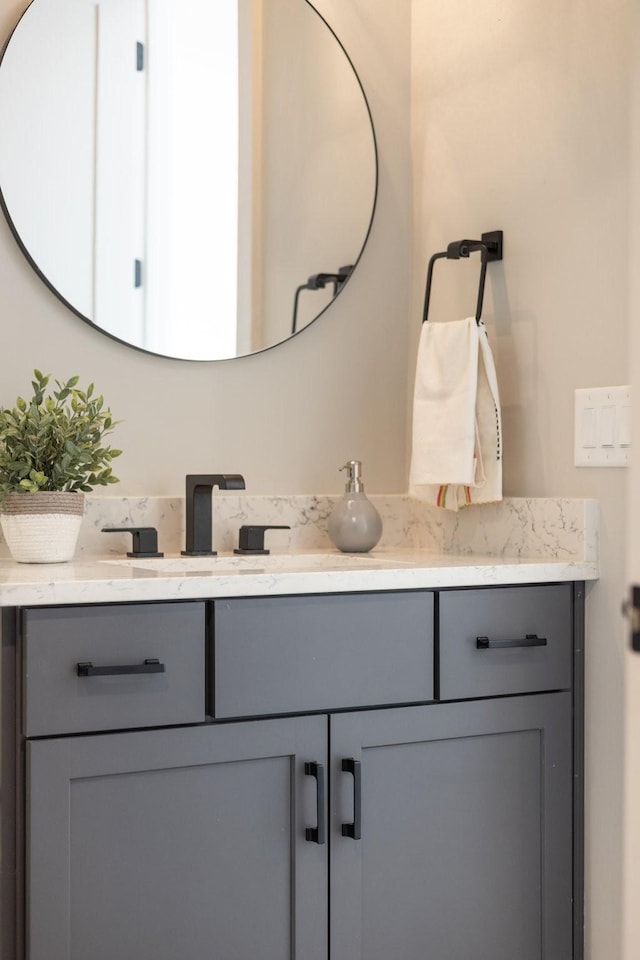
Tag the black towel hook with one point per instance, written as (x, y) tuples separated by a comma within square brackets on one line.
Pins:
[(490, 247)]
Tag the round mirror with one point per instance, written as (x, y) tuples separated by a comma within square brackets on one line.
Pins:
[(195, 179)]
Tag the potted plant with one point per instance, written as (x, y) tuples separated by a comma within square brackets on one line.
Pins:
[(52, 452)]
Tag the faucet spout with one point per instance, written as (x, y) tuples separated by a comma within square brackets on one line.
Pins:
[(199, 509)]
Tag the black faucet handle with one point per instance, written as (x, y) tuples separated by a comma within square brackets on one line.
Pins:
[(251, 537), (145, 540)]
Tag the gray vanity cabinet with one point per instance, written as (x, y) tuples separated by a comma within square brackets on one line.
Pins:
[(177, 844), (351, 777)]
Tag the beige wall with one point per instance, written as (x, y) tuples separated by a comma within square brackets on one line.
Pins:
[(520, 123), (286, 419)]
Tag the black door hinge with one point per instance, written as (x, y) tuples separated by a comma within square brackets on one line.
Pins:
[(139, 56), (631, 610)]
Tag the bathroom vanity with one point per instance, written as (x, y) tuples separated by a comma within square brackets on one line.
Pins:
[(327, 757)]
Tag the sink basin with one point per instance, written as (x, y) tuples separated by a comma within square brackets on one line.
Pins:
[(271, 563)]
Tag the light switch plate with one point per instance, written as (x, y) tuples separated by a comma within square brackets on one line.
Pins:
[(602, 427)]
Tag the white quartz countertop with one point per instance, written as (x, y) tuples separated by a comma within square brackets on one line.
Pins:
[(101, 580)]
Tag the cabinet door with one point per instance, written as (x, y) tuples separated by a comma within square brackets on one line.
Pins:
[(466, 841), (186, 843)]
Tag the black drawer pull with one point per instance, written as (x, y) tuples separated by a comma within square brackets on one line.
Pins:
[(354, 830), (149, 666), (317, 834), (531, 640)]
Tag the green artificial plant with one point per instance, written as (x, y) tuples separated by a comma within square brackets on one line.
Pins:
[(55, 441)]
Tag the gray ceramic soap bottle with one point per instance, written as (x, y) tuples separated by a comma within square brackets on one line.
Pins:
[(354, 525)]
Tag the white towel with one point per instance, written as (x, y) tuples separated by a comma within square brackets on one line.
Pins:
[(457, 431)]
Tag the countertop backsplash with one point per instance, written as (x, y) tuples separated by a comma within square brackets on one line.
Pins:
[(516, 527)]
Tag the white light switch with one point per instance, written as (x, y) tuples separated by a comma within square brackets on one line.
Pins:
[(624, 426), (589, 423), (607, 427), (602, 427)]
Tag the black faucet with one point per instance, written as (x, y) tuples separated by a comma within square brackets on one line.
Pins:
[(199, 509)]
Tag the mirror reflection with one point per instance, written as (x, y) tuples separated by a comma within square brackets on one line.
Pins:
[(196, 179)]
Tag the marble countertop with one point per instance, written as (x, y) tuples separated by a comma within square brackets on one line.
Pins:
[(100, 580)]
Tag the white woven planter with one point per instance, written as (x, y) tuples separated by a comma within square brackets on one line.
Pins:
[(42, 527)]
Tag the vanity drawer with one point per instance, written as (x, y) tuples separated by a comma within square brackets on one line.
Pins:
[(294, 654), (57, 639), (505, 640)]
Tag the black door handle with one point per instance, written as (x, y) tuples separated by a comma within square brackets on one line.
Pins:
[(354, 830), (531, 640), (317, 834), (149, 666)]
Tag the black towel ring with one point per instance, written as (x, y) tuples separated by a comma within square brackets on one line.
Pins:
[(490, 247)]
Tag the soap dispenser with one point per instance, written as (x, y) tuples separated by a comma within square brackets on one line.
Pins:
[(354, 525)]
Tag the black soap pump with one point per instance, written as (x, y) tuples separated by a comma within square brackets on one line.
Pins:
[(355, 525)]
